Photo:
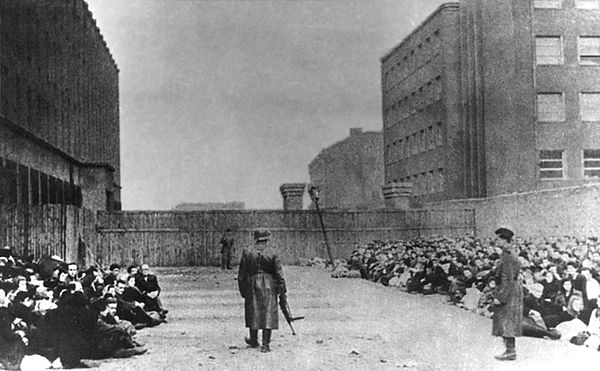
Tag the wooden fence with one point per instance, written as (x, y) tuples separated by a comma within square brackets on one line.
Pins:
[(172, 238), (176, 238), (63, 230)]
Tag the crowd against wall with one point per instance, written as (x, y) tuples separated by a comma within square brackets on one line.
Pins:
[(56, 313), (560, 277)]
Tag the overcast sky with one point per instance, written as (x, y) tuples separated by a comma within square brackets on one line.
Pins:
[(226, 100)]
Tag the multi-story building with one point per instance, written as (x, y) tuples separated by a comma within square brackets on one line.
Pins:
[(59, 107), (492, 97), (415, 75), (349, 173)]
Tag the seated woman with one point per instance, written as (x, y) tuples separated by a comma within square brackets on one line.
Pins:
[(564, 294), (568, 323), (552, 286)]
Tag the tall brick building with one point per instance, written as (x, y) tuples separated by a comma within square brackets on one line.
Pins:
[(59, 107), (349, 173), (490, 97)]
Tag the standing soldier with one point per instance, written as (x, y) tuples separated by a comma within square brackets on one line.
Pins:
[(260, 281), (508, 296), (226, 249)]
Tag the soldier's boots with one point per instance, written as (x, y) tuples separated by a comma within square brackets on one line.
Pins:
[(266, 337), (253, 340), (506, 356), (510, 354)]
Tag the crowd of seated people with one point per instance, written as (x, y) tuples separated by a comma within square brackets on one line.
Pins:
[(560, 278), (57, 311)]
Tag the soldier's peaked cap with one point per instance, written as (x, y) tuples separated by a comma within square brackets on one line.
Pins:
[(504, 233), (261, 234)]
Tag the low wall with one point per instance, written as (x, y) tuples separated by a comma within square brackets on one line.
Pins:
[(573, 211), (173, 238)]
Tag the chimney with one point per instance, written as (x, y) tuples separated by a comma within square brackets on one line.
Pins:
[(397, 195), (292, 194)]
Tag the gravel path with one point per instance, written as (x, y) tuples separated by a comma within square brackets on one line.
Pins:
[(349, 325)]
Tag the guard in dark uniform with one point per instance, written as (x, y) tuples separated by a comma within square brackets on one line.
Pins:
[(226, 249), (508, 296), (260, 281)]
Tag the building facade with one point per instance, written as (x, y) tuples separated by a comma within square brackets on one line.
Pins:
[(517, 106), (416, 115), (59, 107), (349, 173)]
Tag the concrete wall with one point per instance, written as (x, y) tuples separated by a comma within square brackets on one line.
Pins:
[(573, 211), (508, 96)]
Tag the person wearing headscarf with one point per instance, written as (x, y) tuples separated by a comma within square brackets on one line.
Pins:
[(260, 280), (508, 296)]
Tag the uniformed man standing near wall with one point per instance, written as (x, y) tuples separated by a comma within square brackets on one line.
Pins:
[(226, 249), (260, 281), (508, 296)]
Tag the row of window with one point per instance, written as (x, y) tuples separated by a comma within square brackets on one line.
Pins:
[(426, 183), (558, 4), (552, 164), (23, 185), (416, 143), (415, 101), (551, 107), (414, 59), (549, 50)]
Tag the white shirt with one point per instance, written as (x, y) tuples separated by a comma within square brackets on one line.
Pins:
[(592, 288)]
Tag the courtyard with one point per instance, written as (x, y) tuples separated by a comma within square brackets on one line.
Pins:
[(350, 324)]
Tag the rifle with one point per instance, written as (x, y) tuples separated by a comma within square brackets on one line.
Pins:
[(287, 313)]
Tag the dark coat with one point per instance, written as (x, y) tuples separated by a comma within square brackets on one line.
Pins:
[(550, 289), (508, 316), (260, 281), (131, 294), (147, 284), (227, 243), (12, 349), (73, 328)]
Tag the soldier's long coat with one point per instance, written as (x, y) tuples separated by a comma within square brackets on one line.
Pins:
[(260, 280), (508, 317)]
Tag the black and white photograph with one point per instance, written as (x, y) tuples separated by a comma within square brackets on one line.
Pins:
[(300, 185)]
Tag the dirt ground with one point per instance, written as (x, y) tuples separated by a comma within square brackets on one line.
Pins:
[(350, 324)]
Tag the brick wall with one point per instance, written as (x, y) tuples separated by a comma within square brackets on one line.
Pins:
[(349, 173)]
